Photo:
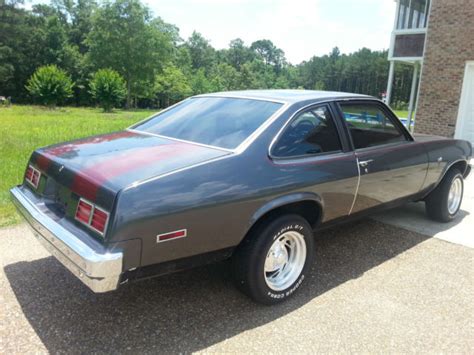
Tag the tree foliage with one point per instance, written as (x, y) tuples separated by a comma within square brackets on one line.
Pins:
[(107, 88), (171, 86), (124, 37), (50, 85), (158, 66), (269, 53), (202, 54)]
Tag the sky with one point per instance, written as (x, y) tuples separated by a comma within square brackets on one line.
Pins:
[(302, 28)]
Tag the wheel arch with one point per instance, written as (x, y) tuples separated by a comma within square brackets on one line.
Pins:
[(307, 205), (460, 164)]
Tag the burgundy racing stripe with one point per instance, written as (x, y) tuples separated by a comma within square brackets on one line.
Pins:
[(70, 147), (43, 162), (88, 181)]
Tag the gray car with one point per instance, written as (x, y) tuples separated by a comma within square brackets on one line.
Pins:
[(245, 175)]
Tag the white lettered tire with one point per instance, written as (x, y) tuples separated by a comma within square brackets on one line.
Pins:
[(444, 202), (273, 261)]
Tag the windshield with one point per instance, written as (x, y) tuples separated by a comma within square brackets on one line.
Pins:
[(217, 121)]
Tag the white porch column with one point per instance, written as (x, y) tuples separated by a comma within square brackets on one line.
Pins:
[(390, 82), (411, 104)]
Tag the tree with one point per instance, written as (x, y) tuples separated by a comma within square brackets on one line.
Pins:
[(6, 69), (200, 84), (78, 17), (183, 60), (83, 36), (50, 85), (107, 88), (238, 53), (269, 53), (225, 77), (171, 85), (124, 38), (56, 48), (202, 53), (18, 49)]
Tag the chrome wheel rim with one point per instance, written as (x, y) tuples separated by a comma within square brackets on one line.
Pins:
[(285, 260), (455, 195)]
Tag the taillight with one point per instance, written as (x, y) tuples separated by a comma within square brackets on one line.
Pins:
[(32, 175), (83, 212), (99, 220), (92, 216)]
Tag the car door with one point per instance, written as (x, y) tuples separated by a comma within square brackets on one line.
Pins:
[(313, 154), (392, 166)]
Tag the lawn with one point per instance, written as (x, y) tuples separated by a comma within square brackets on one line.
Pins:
[(401, 114), (24, 128)]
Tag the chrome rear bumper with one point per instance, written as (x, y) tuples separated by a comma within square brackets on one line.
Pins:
[(97, 268)]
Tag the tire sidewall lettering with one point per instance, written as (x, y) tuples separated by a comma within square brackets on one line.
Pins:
[(295, 227), (288, 292)]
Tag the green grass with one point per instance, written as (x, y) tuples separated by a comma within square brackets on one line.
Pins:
[(25, 128), (401, 114)]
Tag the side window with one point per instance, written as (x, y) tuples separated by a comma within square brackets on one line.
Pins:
[(369, 126), (311, 132)]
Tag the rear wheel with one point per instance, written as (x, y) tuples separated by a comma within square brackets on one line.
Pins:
[(274, 259), (444, 202)]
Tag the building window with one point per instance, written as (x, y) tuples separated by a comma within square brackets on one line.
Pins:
[(409, 45), (413, 14), (402, 11)]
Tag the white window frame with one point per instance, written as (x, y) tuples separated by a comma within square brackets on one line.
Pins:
[(407, 31), (406, 22)]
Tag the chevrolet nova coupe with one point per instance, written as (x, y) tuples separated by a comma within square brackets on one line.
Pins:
[(246, 175)]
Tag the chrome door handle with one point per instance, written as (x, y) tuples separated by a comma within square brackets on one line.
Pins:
[(365, 163)]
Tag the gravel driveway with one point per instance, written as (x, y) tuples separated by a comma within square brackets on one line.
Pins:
[(375, 288)]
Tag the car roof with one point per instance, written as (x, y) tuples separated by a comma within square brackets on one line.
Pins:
[(286, 96)]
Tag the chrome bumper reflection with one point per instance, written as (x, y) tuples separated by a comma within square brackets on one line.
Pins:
[(96, 267)]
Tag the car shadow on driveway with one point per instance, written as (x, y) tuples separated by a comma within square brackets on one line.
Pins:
[(186, 311)]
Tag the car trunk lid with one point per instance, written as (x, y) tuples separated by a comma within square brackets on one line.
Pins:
[(97, 168)]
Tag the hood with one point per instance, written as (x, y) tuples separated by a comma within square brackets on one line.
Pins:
[(97, 167)]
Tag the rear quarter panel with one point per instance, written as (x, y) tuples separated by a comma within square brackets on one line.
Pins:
[(217, 202)]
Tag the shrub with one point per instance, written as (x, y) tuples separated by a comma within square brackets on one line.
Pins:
[(108, 88), (50, 85)]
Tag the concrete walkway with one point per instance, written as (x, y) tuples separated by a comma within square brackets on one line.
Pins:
[(412, 217)]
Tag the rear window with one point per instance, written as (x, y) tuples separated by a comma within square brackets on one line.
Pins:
[(216, 121)]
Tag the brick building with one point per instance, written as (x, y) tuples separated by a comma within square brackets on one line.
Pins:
[(437, 37)]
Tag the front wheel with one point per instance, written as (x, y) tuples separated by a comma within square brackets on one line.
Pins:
[(443, 203), (274, 259)]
